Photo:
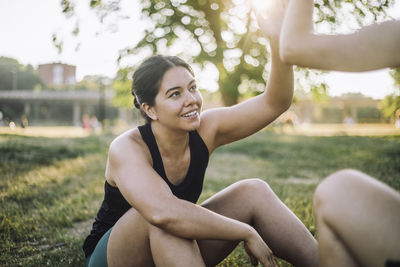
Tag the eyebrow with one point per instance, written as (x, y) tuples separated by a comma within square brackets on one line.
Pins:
[(177, 87)]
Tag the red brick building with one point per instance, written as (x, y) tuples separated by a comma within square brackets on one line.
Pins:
[(57, 74)]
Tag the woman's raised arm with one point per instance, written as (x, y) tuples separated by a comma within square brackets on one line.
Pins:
[(239, 121), (372, 47)]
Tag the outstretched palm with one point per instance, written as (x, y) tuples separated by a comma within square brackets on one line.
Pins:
[(270, 17)]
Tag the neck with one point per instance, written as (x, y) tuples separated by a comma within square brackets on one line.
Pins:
[(170, 141)]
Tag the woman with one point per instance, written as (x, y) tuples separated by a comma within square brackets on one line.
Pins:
[(155, 173), (357, 217)]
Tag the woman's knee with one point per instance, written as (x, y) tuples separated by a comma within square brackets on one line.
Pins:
[(254, 185), (255, 188)]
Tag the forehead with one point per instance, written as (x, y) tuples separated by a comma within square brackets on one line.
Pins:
[(176, 76)]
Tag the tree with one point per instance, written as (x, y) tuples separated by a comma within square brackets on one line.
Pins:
[(391, 103), (221, 32), (14, 75), (92, 82), (121, 85)]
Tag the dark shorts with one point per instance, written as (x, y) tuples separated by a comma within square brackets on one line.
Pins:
[(99, 256), (393, 263)]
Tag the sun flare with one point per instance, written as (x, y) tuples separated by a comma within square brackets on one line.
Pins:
[(262, 7)]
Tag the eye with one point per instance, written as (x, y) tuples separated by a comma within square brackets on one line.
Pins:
[(193, 88), (175, 94)]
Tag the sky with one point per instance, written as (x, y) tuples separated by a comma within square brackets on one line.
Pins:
[(26, 28)]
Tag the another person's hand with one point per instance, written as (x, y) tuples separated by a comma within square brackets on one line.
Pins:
[(270, 17), (258, 251)]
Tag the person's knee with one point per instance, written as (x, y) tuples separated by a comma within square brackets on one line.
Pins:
[(329, 189), (255, 186)]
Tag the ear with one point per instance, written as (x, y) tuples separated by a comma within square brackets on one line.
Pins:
[(149, 110)]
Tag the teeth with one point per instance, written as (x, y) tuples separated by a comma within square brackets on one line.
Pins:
[(189, 114)]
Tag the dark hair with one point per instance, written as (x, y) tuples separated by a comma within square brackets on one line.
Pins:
[(148, 76)]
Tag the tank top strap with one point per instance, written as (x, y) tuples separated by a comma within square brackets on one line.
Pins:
[(150, 140)]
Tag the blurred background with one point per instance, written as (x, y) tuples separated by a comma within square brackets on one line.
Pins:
[(69, 63)]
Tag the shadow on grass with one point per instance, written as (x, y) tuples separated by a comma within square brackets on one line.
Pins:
[(22, 153)]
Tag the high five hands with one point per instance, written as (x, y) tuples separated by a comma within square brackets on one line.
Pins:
[(270, 17)]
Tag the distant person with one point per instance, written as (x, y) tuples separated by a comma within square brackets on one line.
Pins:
[(349, 120), (357, 217), (154, 177), (397, 120), (95, 125), (24, 121), (1, 119), (86, 122)]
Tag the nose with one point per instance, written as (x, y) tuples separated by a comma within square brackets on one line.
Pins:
[(190, 98)]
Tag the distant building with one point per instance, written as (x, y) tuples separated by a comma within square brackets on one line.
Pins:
[(348, 109), (57, 74)]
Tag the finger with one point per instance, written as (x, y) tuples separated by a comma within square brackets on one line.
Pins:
[(272, 260), (257, 11), (253, 260)]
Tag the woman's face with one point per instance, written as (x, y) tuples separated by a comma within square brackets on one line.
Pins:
[(178, 102)]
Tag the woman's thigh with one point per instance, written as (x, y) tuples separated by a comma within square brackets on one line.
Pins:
[(234, 202), (129, 243), (135, 242)]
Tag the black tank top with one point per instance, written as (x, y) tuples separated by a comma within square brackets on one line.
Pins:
[(114, 204)]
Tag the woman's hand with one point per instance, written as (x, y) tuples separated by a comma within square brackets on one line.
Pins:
[(270, 17), (258, 251)]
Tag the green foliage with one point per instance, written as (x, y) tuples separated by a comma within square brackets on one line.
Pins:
[(221, 32), (92, 82), (389, 106), (51, 188), (395, 73), (13, 74), (319, 92), (122, 87)]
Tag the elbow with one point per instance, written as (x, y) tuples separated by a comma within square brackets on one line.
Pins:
[(160, 218), (288, 52), (294, 48), (283, 108), (156, 219), (286, 106)]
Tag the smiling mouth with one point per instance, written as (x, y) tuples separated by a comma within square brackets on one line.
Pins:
[(190, 114)]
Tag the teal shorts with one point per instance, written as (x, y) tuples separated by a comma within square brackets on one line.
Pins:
[(99, 256)]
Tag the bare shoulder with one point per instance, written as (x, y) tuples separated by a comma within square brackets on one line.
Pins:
[(209, 126), (124, 151), (128, 144)]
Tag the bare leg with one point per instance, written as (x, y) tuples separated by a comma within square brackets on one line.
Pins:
[(357, 219), (252, 201), (135, 242), (169, 250)]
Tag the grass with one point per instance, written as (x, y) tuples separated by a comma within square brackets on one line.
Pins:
[(51, 187)]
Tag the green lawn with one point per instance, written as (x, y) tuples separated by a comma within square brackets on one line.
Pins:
[(50, 188)]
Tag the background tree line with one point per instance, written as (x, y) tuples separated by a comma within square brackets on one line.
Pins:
[(17, 76)]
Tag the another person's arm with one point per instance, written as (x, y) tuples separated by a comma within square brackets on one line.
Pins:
[(372, 47)]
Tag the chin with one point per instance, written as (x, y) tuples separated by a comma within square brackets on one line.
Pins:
[(194, 125)]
